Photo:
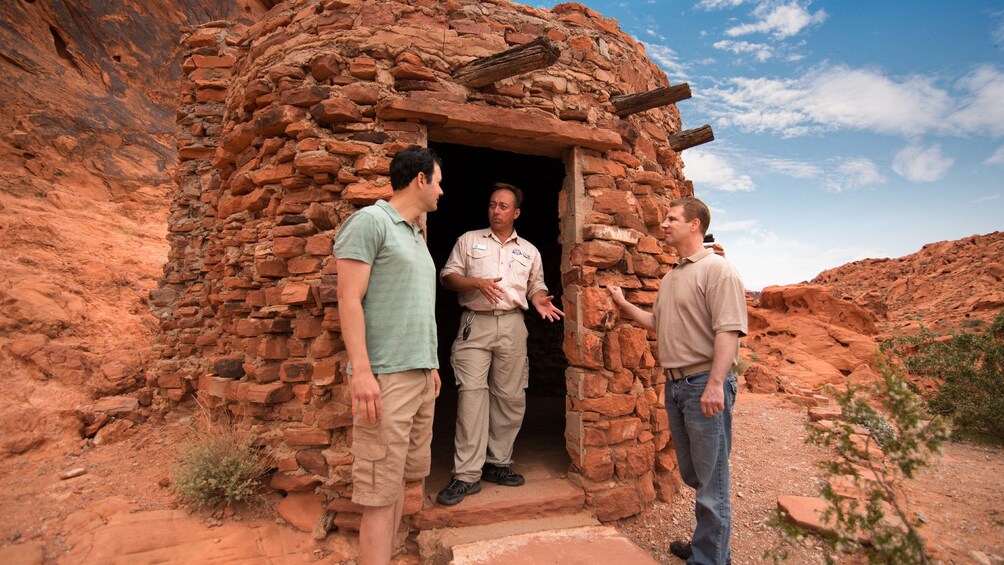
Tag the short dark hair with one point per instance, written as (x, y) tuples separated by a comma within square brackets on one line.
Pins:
[(516, 192), (694, 208), (410, 161)]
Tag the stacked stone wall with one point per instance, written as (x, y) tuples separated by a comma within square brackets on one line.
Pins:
[(289, 126)]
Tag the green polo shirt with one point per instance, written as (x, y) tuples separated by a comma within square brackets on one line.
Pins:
[(400, 301)]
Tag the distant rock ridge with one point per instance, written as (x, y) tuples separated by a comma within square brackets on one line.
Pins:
[(945, 286), (806, 335)]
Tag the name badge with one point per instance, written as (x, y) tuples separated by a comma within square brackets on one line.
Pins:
[(480, 246)]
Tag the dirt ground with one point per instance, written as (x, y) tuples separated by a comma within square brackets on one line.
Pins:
[(960, 496)]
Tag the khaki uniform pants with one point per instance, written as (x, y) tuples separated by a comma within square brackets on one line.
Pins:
[(491, 371)]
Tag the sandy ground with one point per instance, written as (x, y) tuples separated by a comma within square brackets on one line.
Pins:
[(960, 496)]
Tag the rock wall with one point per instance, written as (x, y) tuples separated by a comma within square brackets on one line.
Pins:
[(287, 127)]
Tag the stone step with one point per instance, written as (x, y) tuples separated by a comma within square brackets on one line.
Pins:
[(495, 503), (436, 546), (585, 545)]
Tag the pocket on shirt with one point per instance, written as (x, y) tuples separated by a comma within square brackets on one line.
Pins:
[(479, 265), (520, 267)]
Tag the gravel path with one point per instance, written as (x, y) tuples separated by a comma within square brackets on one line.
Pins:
[(958, 497)]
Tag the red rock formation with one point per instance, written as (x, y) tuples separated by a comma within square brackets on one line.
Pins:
[(945, 286), (86, 148), (806, 335)]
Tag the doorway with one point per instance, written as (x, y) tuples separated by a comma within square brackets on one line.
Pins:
[(468, 175)]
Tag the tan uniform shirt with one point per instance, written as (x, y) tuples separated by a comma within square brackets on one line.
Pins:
[(480, 254), (702, 296)]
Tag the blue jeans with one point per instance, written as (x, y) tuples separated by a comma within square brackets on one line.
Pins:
[(702, 450)]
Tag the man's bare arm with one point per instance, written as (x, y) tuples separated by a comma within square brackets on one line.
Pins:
[(713, 399), (353, 280)]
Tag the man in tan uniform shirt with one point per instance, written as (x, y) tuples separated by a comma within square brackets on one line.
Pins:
[(699, 315), (497, 275)]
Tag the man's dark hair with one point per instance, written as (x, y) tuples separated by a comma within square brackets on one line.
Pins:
[(408, 162), (516, 192), (694, 208)]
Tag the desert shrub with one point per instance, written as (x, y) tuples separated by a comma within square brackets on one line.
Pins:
[(970, 368), (742, 366), (902, 437), (220, 464)]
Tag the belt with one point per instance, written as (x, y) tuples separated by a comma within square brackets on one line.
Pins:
[(679, 373), (496, 312)]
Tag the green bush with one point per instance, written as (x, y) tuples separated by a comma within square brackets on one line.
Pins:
[(901, 438), (220, 464), (970, 368)]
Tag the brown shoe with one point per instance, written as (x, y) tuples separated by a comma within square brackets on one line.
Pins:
[(681, 549)]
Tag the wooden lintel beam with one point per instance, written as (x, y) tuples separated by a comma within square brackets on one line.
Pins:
[(537, 54), (628, 104), (691, 137)]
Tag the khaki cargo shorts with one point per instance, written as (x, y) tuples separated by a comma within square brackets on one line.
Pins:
[(398, 446)]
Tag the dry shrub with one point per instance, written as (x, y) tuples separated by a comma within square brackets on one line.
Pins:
[(220, 463)]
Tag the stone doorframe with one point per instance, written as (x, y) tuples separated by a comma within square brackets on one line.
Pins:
[(527, 133)]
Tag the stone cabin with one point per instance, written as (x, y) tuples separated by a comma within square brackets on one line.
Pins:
[(287, 126)]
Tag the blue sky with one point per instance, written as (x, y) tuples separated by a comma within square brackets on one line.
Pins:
[(843, 130)]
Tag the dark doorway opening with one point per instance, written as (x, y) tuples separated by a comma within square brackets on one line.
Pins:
[(468, 175)]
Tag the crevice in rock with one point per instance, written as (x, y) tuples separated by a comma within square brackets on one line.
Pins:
[(61, 48), (19, 64)]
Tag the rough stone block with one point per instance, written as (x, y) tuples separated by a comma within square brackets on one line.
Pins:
[(597, 253), (306, 437), (365, 193), (272, 393), (617, 503), (336, 110)]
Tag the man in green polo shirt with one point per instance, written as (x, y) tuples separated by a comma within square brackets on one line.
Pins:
[(386, 304)]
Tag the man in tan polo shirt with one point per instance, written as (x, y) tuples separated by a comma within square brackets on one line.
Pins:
[(699, 315), (497, 275)]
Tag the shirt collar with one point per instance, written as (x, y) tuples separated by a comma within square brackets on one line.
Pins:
[(694, 258), (512, 237), (390, 211)]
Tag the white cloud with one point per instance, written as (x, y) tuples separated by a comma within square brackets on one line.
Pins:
[(987, 198), (780, 21), (921, 164), (853, 173), (997, 158), (792, 168), (760, 51), (666, 58), (741, 225), (717, 4), (997, 33), (829, 98), (983, 111), (714, 171), (763, 257)]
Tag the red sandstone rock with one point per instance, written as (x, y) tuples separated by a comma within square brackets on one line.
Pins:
[(600, 254), (301, 509)]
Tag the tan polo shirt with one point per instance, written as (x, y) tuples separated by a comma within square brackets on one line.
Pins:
[(701, 296), (480, 254)]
